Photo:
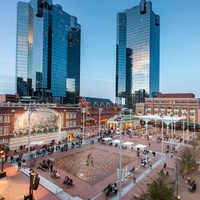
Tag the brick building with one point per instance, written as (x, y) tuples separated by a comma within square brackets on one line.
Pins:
[(178, 104)]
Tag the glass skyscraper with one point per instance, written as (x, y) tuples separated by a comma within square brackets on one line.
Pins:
[(48, 52), (137, 53)]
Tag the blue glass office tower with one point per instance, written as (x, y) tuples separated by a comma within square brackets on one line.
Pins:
[(48, 52), (137, 53)]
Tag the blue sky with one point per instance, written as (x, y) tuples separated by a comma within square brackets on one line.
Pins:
[(179, 44)]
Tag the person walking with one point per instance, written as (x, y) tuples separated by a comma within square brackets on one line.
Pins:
[(51, 167), (19, 164), (48, 163), (11, 159)]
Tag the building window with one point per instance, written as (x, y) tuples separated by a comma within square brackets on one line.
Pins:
[(6, 130), (183, 108), (67, 115), (1, 130), (192, 108), (1, 119), (6, 118), (175, 107)]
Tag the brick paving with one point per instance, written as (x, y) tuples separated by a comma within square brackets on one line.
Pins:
[(93, 189)]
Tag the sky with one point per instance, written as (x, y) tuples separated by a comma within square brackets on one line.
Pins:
[(179, 44)]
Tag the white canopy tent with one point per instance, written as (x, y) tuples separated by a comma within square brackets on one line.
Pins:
[(36, 143)]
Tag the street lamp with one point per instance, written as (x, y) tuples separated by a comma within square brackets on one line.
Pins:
[(130, 118), (30, 110), (162, 115), (84, 111), (187, 126), (100, 110), (172, 124), (184, 113), (119, 130), (194, 121)]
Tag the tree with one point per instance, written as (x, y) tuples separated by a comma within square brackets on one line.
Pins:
[(160, 188), (187, 161)]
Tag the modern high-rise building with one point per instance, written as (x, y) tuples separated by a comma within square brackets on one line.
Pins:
[(137, 54), (48, 52)]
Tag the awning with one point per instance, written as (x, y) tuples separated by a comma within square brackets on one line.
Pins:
[(36, 143)]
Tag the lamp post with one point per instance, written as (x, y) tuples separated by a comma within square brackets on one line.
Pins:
[(172, 124), (194, 122), (187, 126), (162, 115), (30, 110), (84, 111), (119, 130), (184, 113), (100, 110), (130, 118)]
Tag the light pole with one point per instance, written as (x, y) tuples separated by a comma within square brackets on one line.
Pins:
[(100, 110), (130, 118), (184, 113), (162, 115), (119, 130), (187, 125), (194, 122), (172, 124), (30, 110), (84, 111)]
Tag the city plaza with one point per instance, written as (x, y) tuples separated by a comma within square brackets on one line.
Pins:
[(91, 178)]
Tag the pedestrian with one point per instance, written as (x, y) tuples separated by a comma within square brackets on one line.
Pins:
[(24, 163), (51, 167), (11, 159), (165, 166), (92, 161), (48, 163), (149, 145), (19, 164), (171, 154)]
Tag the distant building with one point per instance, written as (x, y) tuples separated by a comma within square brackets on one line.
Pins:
[(7, 98), (178, 104), (49, 122), (47, 53), (97, 109), (137, 54)]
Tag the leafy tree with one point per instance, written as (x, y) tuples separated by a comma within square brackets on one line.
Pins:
[(160, 188), (187, 161)]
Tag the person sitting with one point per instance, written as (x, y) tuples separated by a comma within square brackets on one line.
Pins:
[(143, 164), (112, 189), (70, 182), (132, 170), (55, 174), (107, 187), (66, 180)]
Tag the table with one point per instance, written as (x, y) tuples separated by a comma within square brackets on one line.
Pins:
[(127, 143), (140, 146), (107, 139), (36, 143), (116, 141)]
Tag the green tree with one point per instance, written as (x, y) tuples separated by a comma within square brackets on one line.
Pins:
[(187, 161), (160, 188)]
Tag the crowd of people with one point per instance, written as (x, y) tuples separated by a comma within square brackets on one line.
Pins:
[(111, 189), (68, 181)]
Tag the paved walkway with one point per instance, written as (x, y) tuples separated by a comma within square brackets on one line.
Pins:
[(54, 189)]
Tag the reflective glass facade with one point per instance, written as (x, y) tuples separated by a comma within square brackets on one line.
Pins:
[(50, 49), (137, 55)]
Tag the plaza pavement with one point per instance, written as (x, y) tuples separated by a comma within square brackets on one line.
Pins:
[(54, 189)]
